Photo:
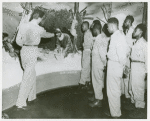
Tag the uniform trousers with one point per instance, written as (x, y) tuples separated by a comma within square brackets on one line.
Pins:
[(114, 76), (138, 84), (97, 76), (86, 67), (28, 84)]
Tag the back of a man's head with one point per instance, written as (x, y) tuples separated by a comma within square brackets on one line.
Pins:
[(96, 22), (113, 20), (105, 30), (98, 27), (130, 18), (37, 14), (5, 35), (143, 28), (57, 30), (86, 23)]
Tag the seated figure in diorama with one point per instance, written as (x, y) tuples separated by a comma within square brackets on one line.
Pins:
[(63, 43), (8, 46)]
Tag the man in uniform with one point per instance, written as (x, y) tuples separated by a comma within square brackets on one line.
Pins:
[(128, 30), (64, 42), (92, 25), (117, 56), (138, 70), (91, 91), (86, 57), (98, 64)]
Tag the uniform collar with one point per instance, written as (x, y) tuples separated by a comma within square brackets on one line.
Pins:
[(98, 36), (140, 40), (33, 22), (115, 33), (130, 29), (87, 30)]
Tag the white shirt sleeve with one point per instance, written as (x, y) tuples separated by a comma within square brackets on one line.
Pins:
[(21, 37), (121, 49), (45, 34), (145, 57)]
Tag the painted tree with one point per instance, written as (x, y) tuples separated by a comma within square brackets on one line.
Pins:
[(107, 10), (65, 20), (27, 10), (76, 28)]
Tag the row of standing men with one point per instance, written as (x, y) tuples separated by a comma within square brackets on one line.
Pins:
[(124, 53), (119, 53)]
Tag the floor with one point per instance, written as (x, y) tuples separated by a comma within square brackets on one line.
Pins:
[(64, 104)]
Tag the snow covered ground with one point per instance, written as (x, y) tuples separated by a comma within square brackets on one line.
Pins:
[(12, 72)]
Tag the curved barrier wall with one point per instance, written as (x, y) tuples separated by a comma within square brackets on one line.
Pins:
[(51, 73), (44, 82)]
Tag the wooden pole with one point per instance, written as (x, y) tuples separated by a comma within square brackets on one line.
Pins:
[(76, 7), (144, 20)]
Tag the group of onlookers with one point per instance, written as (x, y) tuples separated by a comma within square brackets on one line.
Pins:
[(123, 55)]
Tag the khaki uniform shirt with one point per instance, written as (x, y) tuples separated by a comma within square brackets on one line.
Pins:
[(100, 47), (118, 48), (139, 51), (29, 34), (88, 40)]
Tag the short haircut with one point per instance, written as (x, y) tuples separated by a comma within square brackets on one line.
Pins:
[(143, 28), (36, 14), (96, 22), (5, 35), (86, 23), (131, 18), (113, 20), (105, 30), (98, 27)]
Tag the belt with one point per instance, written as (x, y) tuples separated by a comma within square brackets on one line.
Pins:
[(30, 45), (136, 61), (113, 60)]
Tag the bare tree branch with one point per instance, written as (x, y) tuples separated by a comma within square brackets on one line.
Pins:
[(104, 13), (24, 7), (83, 10), (71, 12), (110, 10), (76, 7), (31, 5), (84, 13), (25, 4), (101, 20), (91, 18), (105, 8)]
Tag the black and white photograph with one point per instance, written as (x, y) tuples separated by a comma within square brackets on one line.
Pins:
[(74, 60)]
